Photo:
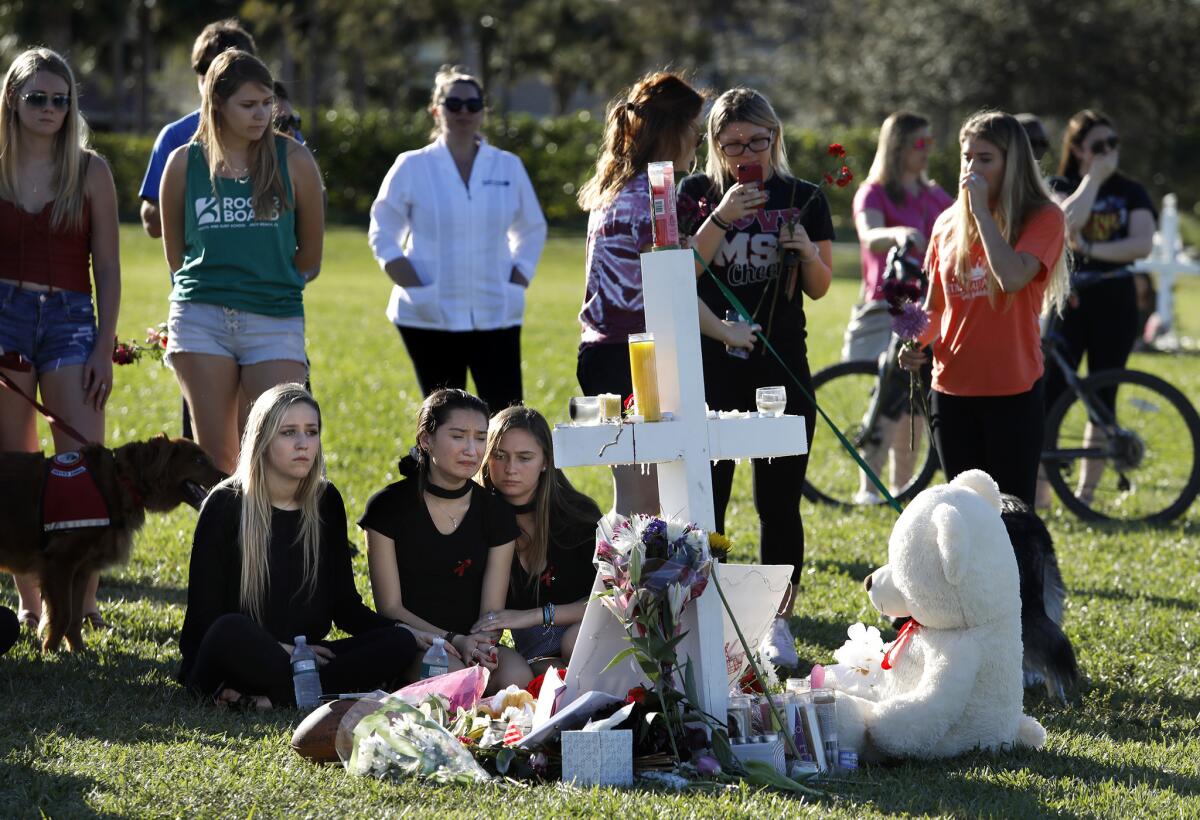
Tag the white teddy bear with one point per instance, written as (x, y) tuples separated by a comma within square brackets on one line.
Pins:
[(951, 681)]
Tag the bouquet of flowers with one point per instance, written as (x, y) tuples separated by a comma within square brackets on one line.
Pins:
[(398, 740), (651, 568), (131, 351)]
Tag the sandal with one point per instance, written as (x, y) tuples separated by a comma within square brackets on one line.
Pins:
[(95, 620)]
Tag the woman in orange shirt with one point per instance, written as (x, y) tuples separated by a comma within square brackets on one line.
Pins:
[(997, 257)]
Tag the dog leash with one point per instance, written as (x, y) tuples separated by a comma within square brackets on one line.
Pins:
[(14, 361), (741, 309)]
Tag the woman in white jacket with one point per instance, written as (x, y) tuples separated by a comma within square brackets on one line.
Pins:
[(457, 228)]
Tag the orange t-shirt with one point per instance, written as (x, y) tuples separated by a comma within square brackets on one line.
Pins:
[(984, 350)]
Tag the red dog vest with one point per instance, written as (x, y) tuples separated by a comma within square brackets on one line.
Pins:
[(71, 499)]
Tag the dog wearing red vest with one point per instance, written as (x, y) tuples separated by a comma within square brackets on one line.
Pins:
[(73, 513)]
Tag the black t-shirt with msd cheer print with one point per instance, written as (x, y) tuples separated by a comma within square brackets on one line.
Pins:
[(749, 260)]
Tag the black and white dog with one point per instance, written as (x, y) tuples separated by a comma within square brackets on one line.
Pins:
[(1049, 657)]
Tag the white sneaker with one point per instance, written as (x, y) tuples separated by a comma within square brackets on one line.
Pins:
[(778, 646), (866, 498)]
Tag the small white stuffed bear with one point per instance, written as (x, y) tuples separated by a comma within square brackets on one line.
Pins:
[(952, 679)]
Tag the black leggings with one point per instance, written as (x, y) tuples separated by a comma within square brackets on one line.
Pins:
[(1001, 435), (10, 629), (1104, 325), (237, 652), (729, 384), (442, 358)]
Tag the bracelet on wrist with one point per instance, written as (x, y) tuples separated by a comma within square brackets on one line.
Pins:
[(449, 637), (720, 223)]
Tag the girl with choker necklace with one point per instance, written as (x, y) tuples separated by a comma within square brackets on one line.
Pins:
[(440, 546), (552, 571)]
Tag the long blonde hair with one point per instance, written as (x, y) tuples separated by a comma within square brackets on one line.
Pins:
[(254, 533), (559, 505), (742, 105), (230, 71), (645, 124), (887, 168), (1022, 192), (70, 143)]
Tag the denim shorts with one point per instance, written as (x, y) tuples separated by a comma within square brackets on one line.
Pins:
[(52, 330), (247, 338)]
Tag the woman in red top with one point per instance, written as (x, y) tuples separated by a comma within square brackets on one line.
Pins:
[(995, 260), (58, 213)]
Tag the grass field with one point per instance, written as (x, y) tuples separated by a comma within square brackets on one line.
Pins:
[(109, 733)]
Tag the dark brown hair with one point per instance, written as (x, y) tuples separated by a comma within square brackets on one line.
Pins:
[(217, 37), (435, 411), (1077, 130), (646, 124)]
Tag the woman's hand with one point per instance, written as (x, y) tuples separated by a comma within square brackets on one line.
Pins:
[(796, 239), (324, 653), (98, 376), (912, 359), (977, 192), (905, 234), (477, 648), (740, 334), (739, 201), (1104, 165), (425, 640), (495, 622)]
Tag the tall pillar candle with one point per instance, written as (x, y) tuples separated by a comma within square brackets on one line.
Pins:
[(645, 375)]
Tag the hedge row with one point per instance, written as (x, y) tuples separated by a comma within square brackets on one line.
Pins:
[(355, 151)]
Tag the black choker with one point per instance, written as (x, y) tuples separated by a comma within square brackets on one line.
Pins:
[(522, 509), (442, 492)]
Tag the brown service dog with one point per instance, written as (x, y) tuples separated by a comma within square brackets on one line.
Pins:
[(156, 475)]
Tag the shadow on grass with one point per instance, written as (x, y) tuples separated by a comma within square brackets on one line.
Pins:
[(1121, 595), (139, 589), (1099, 709), (27, 792), (856, 570)]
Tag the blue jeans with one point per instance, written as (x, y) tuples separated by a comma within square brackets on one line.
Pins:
[(52, 330)]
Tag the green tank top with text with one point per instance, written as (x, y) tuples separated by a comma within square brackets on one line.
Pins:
[(231, 257)]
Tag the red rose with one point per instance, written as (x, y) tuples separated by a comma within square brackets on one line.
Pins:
[(828, 178), (637, 695), (749, 682), (836, 150), (534, 687)]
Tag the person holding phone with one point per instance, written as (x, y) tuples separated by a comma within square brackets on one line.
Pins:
[(1110, 223), (458, 230), (656, 119), (745, 241)]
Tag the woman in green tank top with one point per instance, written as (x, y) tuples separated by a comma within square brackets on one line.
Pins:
[(243, 222)]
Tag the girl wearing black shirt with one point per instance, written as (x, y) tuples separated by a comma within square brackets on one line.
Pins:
[(439, 545), (771, 245), (1110, 223), (552, 570), (270, 560)]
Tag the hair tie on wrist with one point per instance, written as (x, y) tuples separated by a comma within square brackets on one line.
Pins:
[(720, 223)]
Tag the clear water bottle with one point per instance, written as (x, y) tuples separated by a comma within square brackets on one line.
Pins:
[(436, 661), (305, 678), (736, 352)]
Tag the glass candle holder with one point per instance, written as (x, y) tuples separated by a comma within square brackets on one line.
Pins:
[(645, 375)]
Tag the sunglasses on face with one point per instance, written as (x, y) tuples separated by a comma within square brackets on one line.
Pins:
[(286, 123), (455, 104), (736, 149), (38, 99), (1104, 146)]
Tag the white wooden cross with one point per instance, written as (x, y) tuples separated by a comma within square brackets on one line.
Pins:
[(683, 448), (1168, 260)]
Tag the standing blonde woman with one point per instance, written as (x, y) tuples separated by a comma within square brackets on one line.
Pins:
[(243, 224), (458, 230), (270, 561), (58, 230), (996, 258)]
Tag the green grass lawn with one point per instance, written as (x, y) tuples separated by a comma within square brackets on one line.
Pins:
[(109, 733)]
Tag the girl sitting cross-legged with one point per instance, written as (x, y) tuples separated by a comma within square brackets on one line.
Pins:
[(439, 545), (552, 570), (271, 561)]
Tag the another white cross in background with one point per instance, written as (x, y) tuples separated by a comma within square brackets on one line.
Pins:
[(683, 448)]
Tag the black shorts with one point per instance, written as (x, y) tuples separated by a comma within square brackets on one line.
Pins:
[(604, 369)]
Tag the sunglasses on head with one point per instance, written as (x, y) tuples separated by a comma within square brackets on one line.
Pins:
[(1104, 146), (285, 123), (455, 104), (38, 99)]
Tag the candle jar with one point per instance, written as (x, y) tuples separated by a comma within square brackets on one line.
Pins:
[(610, 407), (645, 375)]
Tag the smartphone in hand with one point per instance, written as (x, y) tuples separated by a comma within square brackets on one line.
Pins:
[(747, 174)]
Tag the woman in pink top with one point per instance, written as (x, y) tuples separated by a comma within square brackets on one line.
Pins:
[(896, 204), (996, 260)]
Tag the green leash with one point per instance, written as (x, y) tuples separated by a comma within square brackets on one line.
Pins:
[(741, 309)]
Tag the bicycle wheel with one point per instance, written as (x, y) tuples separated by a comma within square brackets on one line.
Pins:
[(844, 392), (1148, 470)]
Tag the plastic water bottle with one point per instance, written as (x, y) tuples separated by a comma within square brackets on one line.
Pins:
[(305, 678), (436, 661)]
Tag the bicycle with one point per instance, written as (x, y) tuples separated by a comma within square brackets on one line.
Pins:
[(1147, 453)]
